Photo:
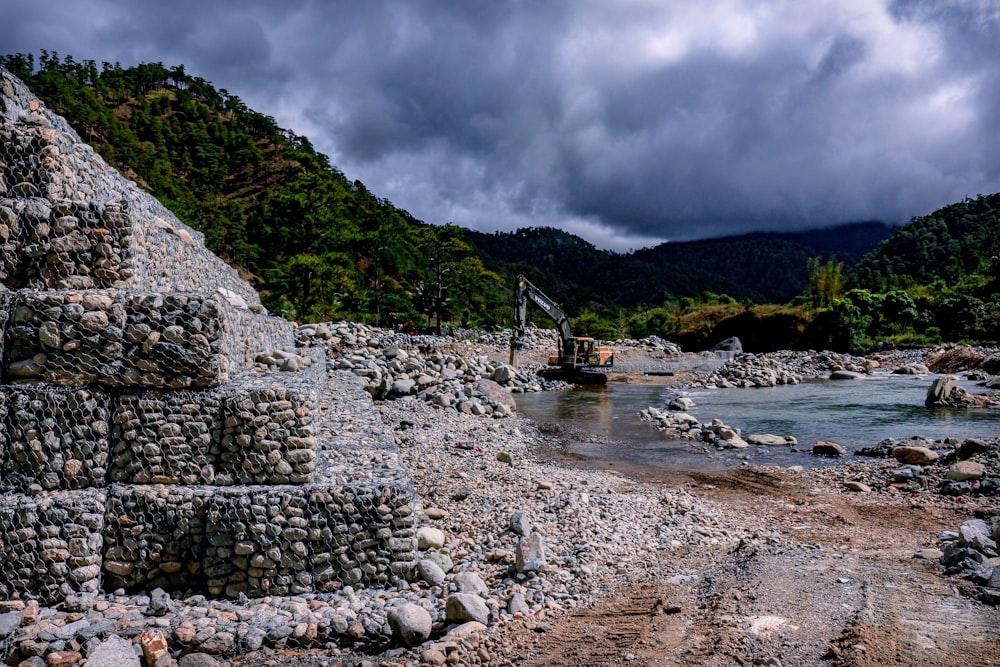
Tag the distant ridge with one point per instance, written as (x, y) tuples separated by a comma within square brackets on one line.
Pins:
[(849, 241), (766, 267)]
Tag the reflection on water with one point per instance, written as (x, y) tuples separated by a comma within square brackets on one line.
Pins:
[(601, 422)]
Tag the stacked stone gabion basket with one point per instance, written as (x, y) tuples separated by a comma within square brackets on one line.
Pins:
[(140, 447)]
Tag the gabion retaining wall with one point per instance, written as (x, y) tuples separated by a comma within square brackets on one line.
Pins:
[(271, 428), (42, 158), (361, 534), (248, 334), (128, 458), (6, 298), (169, 256), (349, 525), (19, 105), (259, 430), (167, 437), (155, 537), (258, 540), (51, 545), (66, 244), (268, 436), (117, 338)]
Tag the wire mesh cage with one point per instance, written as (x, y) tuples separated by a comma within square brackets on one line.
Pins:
[(55, 438), (114, 338), (361, 534), (155, 537), (51, 545), (257, 543), (166, 437)]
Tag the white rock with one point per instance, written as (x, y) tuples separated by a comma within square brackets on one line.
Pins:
[(430, 538)]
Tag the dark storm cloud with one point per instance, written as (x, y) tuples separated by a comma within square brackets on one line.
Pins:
[(623, 121)]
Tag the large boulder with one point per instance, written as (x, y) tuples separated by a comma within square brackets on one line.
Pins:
[(945, 392), (403, 386), (113, 652), (681, 403), (915, 368), (826, 448), (430, 538), (503, 374), (495, 393), (965, 471), (462, 607), (410, 623), (431, 572), (732, 344), (470, 582), (952, 359), (991, 364), (940, 390), (918, 456), (530, 553)]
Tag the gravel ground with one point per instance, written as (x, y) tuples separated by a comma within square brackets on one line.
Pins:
[(645, 567), (762, 566)]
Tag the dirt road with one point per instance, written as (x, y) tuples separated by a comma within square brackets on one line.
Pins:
[(836, 584)]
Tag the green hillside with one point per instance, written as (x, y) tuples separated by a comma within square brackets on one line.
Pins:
[(958, 245), (317, 245), (760, 267)]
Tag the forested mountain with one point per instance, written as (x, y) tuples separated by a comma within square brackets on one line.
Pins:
[(958, 245), (763, 267), (317, 245)]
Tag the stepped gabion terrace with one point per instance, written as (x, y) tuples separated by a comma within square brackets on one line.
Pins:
[(140, 446)]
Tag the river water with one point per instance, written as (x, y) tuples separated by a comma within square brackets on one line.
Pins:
[(602, 422)]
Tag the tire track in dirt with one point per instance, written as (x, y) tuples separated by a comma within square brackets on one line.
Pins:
[(836, 586), (638, 626), (912, 617)]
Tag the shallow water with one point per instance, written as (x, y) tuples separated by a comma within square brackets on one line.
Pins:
[(602, 422)]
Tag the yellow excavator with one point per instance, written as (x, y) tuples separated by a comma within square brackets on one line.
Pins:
[(576, 354)]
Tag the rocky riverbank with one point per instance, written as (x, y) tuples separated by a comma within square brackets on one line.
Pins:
[(503, 536), (525, 554), (491, 490)]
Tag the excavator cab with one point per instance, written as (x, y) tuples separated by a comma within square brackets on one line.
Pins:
[(586, 353), (575, 352), (578, 353)]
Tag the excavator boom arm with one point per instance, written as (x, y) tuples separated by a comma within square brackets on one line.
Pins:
[(526, 291)]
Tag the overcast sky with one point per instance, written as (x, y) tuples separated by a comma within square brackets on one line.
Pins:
[(628, 122)]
